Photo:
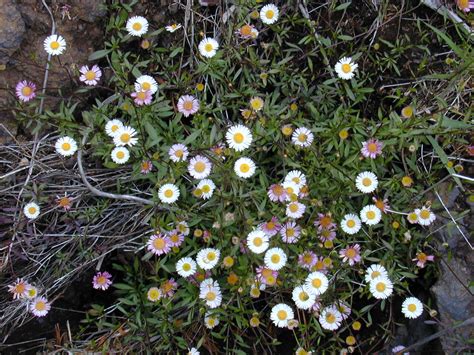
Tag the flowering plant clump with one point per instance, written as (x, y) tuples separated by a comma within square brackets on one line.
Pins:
[(279, 189)]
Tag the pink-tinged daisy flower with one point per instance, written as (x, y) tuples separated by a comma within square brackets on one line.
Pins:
[(321, 265), (307, 260), (422, 258), (188, 105), (146, 167), (382, 205), (247, 31), (90, 76), (25, 90), (343, 308), (102, 281), (271, 227), (351, 254), (465, 5), (276, 193), (398, 349), (19, 289), (142, 97), (266, 276), (64, 202), (178, 152), (371, 148), (324, 221), (159, 244), (290, 232), (169, 287), (326, 235), (40, 306), (176, 238)]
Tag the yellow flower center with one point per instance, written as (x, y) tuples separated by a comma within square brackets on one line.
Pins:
[(303, 296), (186, 267), (54, 45), (351, 253), (275, 258), (375, 274), (257, 241), (141, 95), (20, 288), (208, 47), (330, 318), (281, 314), (370, 214), (211, 256), (125, 137), (244, 168), (206, 189), (372, 147), (271, 280), (211, 296), (302, 137), (120, 154), (325, 222), (146, 86), (66, 146), (188, 105), (270, 14), (159, 243), (154, 294), (137, 26), (101, 280), (32, 210), (26, 91), (90, 75), (293, 207), (380, 286), (246, 30), (343, 134), (351, 223), (307, 258), (411, 307), (425, 214), (422, 257), (199, 166), (290, 232), (366, 182), (407, 111), (169, 193), (114, 128), (238, 137), (40, 306), (346, 68), (316, 283), (256, 103)]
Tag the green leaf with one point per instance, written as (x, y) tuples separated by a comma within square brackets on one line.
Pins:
[(98, 54)]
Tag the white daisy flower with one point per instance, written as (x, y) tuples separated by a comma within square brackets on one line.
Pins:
[(295, 210), (412, 307), (303, 298), (208, 258), (302, 137), (374, 271), (211, 320), (275, 259), (296, 177), (112, 127), (137, 26), (206, 187), (120, 155), (31, 210), (412, 217), (54, 45), (317, 283), (381, 287), (66, 146), (168, 193), (31, 292), (239, 137), (178, 152), (186, 267), (125, 136), (366, 182), (193, 351), (330, 318), (425, 216), (40, 306), (146, 83), (281, 314), (257, 241), (345, 68), (173, 27), (291, 189), (351, 223), (208, 47), (199, 167), (244, 167), (210, 291), (370, 215), (154, 294), (269, 14)]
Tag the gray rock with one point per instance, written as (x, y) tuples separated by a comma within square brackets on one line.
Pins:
[(89, 10), (12, 29)]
